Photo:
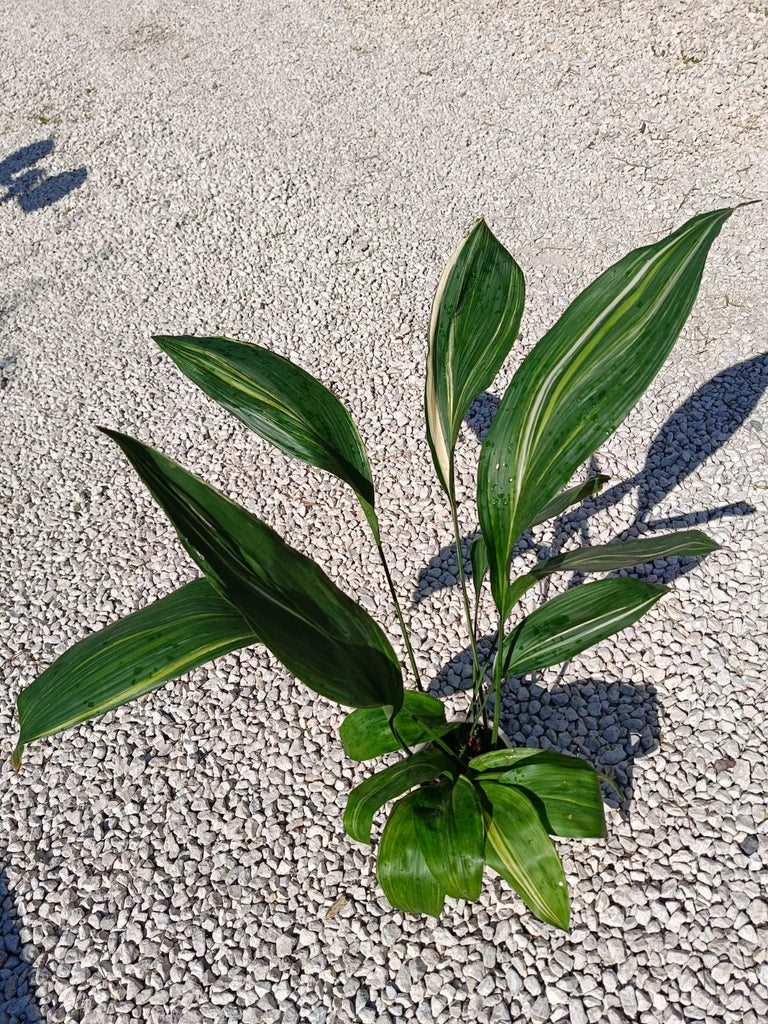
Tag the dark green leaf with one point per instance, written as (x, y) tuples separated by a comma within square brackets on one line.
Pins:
[(366, 733), (478, 557), (607, 557), (279, 401), (475, 318), (129, 658), (402, 870), (582, 379), (568, 799), (519, 849), (369, 796), (324, 638), (449, 829), (575, 620), (571, 496), (626, 553)]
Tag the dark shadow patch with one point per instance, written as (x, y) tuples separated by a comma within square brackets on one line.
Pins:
[(30, 186), (18, 998)]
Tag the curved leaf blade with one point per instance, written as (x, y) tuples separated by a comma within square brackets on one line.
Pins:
[(450, 832), (571, 496), (280, 402), (575, 620), (626, 553), (475, 318), (366, 799), (519, 849), (326, 640), (567, 799), (401, 868), (366, 733), (478, 558), (581, 380), (129, 658), (511, 757)]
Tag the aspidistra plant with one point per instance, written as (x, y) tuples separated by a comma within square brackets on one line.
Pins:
[(463, 799)]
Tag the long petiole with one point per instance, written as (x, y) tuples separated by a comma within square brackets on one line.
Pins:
[(497, 673), (399, 611), (440, 743), (463, 581)]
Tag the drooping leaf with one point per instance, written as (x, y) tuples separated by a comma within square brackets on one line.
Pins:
[(626, 553), (518, 848), (573, 621), (366, 733), (567, 799), (620, 555), (281, 403), (478, 557), (388, 784), (449, 829), (582, 379), (129, 658), (475, 318), (326, 640), (402, 871), (570, 496)]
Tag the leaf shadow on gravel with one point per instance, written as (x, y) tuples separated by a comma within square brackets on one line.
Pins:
[(694, 431), (18, 998), (30, 186), (609, 724)]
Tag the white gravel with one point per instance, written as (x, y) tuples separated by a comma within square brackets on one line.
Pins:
[(296, 173)]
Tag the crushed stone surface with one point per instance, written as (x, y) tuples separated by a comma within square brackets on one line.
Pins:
[(296, 173)]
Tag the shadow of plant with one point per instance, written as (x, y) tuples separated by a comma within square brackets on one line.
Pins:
[(697, 429), (608, 724), (18, 1000), (30, 186)]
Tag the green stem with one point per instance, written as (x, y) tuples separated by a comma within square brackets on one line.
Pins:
[(435, 738), (497, 683), (399, 611), (463, 581)]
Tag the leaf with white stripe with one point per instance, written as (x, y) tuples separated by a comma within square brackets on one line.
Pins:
[(475, 318), (519, 849), (582, 379), (129, 658), (280, 402), (326, 640), (626, 553), (575, 620)]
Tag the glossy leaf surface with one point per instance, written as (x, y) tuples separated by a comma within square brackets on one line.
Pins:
[(581, 380), (608, 557), (626, 553), (449, 829), (567, 798), (401, 868), (129, 658), (575, 620), (279, 401), (326, 640), (475, 318), (388, 784), (518, 848), (570, 496), (366, 733)]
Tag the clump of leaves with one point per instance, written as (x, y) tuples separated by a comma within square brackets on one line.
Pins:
[(463, 799)]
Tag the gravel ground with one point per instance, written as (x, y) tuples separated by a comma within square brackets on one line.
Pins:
[(296, 173)]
